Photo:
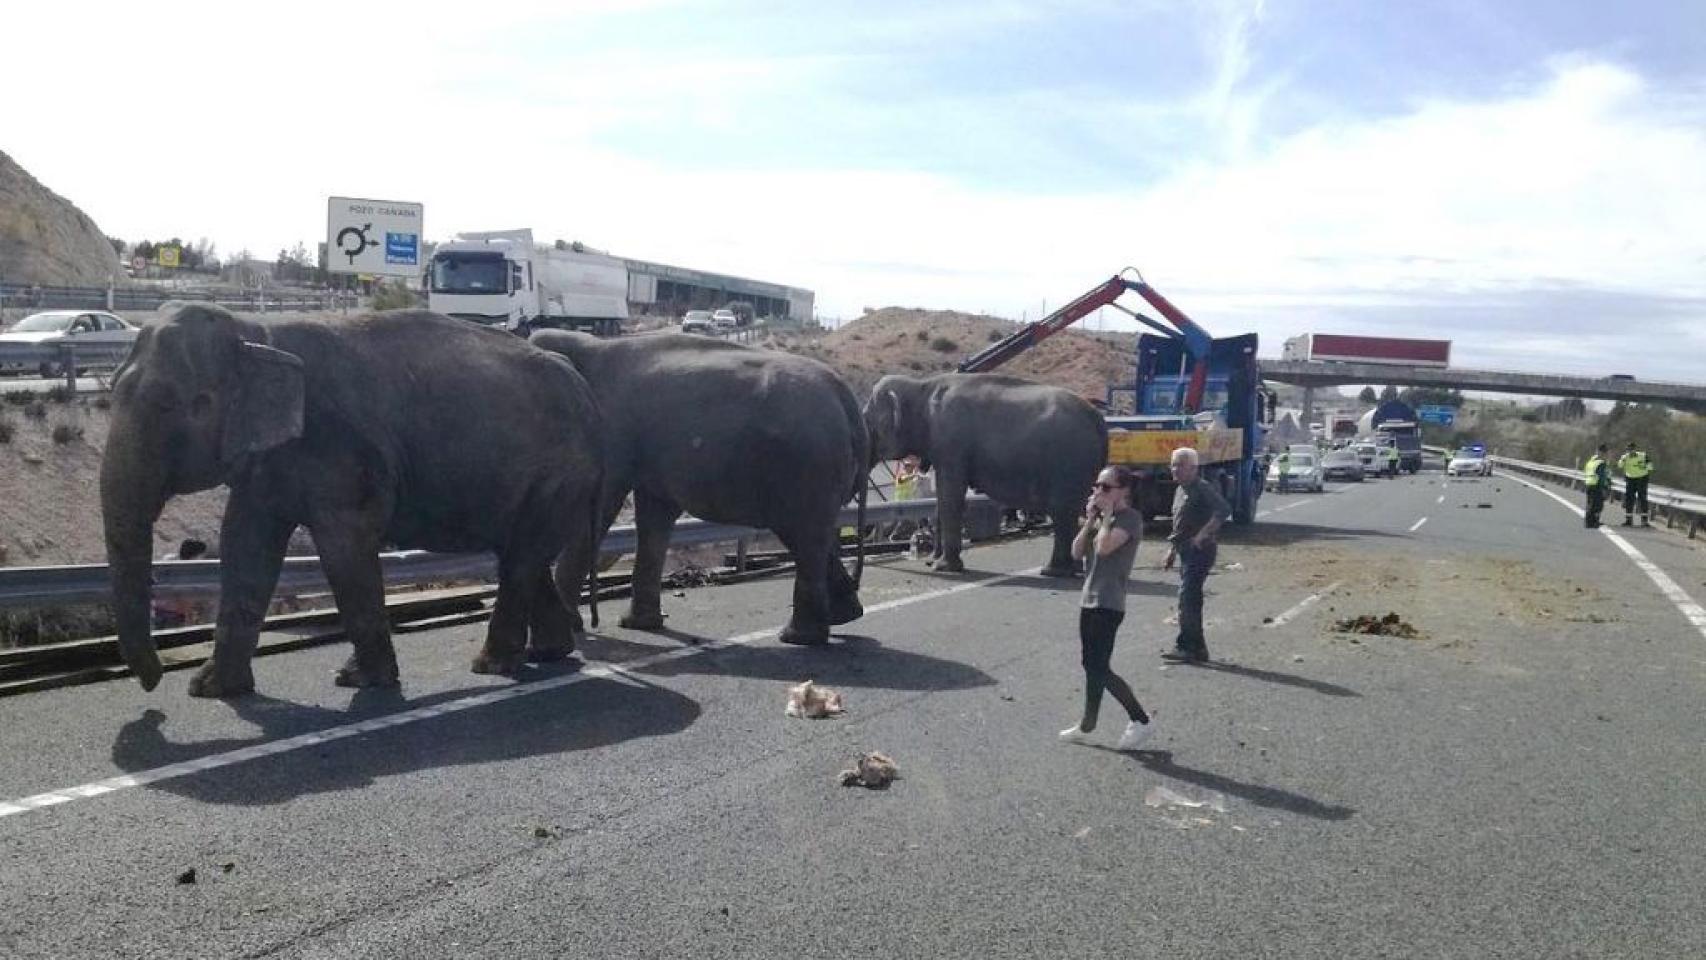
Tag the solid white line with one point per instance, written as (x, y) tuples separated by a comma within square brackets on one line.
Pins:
[(1306, 603), (1418, 524), (1692, 611), (497, 695), (1441, 499)]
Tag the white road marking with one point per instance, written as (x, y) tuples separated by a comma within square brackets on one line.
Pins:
[(487, 698), (1418, 524), (1692, 611), (1441, 499), (1305, 604)]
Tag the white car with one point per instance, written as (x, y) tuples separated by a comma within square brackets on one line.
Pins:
[(52, 327), (696, 321), (1302, 472), (1468, 463), (724, 320)]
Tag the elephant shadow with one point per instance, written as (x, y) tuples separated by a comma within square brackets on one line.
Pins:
[(595, 712), (852, 660)]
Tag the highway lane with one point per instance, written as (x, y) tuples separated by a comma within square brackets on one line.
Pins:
[(1523, 780)]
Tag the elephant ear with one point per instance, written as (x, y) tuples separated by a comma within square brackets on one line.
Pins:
[(267, 408)]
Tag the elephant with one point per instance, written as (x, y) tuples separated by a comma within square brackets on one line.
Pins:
[(405, 427), (731, 434), (1026, 445)]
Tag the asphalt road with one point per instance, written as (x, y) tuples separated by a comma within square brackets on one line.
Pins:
[(1523, 779)]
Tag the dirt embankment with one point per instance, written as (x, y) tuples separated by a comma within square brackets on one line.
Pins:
[(45, 239), (923, 342), (50, 467)]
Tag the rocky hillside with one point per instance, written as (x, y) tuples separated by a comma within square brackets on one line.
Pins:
[(45, 239), (921, 342)]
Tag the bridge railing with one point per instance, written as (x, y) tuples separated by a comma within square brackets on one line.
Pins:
[(90, 583), (1677, 508)]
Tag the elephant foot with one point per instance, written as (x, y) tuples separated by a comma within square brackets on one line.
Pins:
[(550, 652), (845, 609), (633, 620), (354, 674), (804, 636), (216, 681), (1053, 571), (950, 565)]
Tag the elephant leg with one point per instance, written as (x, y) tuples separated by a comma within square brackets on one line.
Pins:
[(812, 549), (519, 579), (1060, 562), (252, 542), (844, 605), (550, 630), (654, 518), (950, 514)]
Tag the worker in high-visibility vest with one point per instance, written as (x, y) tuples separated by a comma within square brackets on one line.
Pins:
[(1637, 469), (906, 479), (1597, 477), (1392, 461), (1284, 470)]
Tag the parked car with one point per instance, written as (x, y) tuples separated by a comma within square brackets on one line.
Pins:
[(696, 321), (724, 320), (53, 327), (1469, 462), (1341, 464), (1368, 455), (1301, 472)]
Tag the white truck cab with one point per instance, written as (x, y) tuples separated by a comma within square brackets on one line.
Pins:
[(503, 279)]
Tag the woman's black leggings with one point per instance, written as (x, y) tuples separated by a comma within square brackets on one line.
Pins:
[(1096, 629)]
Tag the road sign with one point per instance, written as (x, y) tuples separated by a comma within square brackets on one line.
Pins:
[(166, 255), (1433, 413), (380, 237)]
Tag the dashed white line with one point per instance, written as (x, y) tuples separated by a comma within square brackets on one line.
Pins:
[(1441, 499), (1418, 524), (1303, 605), (498, 695), (1685, 604)]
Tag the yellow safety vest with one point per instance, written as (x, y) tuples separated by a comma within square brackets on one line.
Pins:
[(1635, 465), (1592, 470)]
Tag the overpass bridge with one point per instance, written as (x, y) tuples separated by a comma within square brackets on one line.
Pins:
[(1678, 396)]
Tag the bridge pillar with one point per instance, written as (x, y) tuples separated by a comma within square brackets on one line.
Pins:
[(1308, 407)]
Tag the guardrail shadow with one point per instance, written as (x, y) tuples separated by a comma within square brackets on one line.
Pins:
[(851, 660), (594, 713)]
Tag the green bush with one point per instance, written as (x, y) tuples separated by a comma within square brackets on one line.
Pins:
[(923, 335), (65, 433), (20, 398), (61, 394), (995, 335), (943, 345), (395, 298)]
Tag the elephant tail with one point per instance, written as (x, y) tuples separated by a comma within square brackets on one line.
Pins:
[(593, 517)]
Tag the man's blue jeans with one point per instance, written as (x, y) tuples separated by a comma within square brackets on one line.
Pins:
[(1194, 566)]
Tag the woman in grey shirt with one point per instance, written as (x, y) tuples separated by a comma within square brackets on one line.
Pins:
[(1109, 538)]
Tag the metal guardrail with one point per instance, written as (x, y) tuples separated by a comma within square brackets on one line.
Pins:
[(63, 357), (89, 583), (17, 296), (1675, 507)]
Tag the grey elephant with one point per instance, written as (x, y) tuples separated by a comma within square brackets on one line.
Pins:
[(731, 434), (405, 428), (1026, 445)]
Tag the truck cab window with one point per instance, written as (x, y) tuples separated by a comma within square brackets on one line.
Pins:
[(515, 281)]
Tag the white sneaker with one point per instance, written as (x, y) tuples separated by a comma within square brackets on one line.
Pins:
[(1074, 735), (1135, 735)]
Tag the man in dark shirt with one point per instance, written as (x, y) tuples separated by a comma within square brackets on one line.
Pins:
[(1197, 517)]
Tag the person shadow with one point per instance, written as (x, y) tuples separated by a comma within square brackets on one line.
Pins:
[(1161, 763), (564, 718), (1274, 676)]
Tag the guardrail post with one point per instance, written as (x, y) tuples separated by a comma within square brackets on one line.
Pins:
[(68, 357), (740, 555)]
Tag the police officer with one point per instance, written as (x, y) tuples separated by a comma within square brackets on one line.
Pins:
[(1284, 470), (1597, 476), (1636, 468), (1392, 460)]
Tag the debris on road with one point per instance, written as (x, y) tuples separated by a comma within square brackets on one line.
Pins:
[(1232, 566), (690, 575), (187, 877), (812, 702), (873, 771), (1391, 625), (1168, 797)]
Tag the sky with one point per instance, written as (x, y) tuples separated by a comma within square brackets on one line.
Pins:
[(1526, 178)]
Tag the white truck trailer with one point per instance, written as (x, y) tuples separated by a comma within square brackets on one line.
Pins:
[(503, 279)]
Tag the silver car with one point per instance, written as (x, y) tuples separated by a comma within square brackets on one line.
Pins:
[(54, 327)]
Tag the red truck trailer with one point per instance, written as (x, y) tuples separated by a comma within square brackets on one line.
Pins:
[(1342, 348)]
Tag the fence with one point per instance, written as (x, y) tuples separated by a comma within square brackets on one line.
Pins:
[(90, 583), (15, 296)]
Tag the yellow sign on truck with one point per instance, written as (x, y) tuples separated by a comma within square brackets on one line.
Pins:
[(1147, 448)]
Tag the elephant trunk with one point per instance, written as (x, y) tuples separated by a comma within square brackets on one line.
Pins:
[(133, 491)]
